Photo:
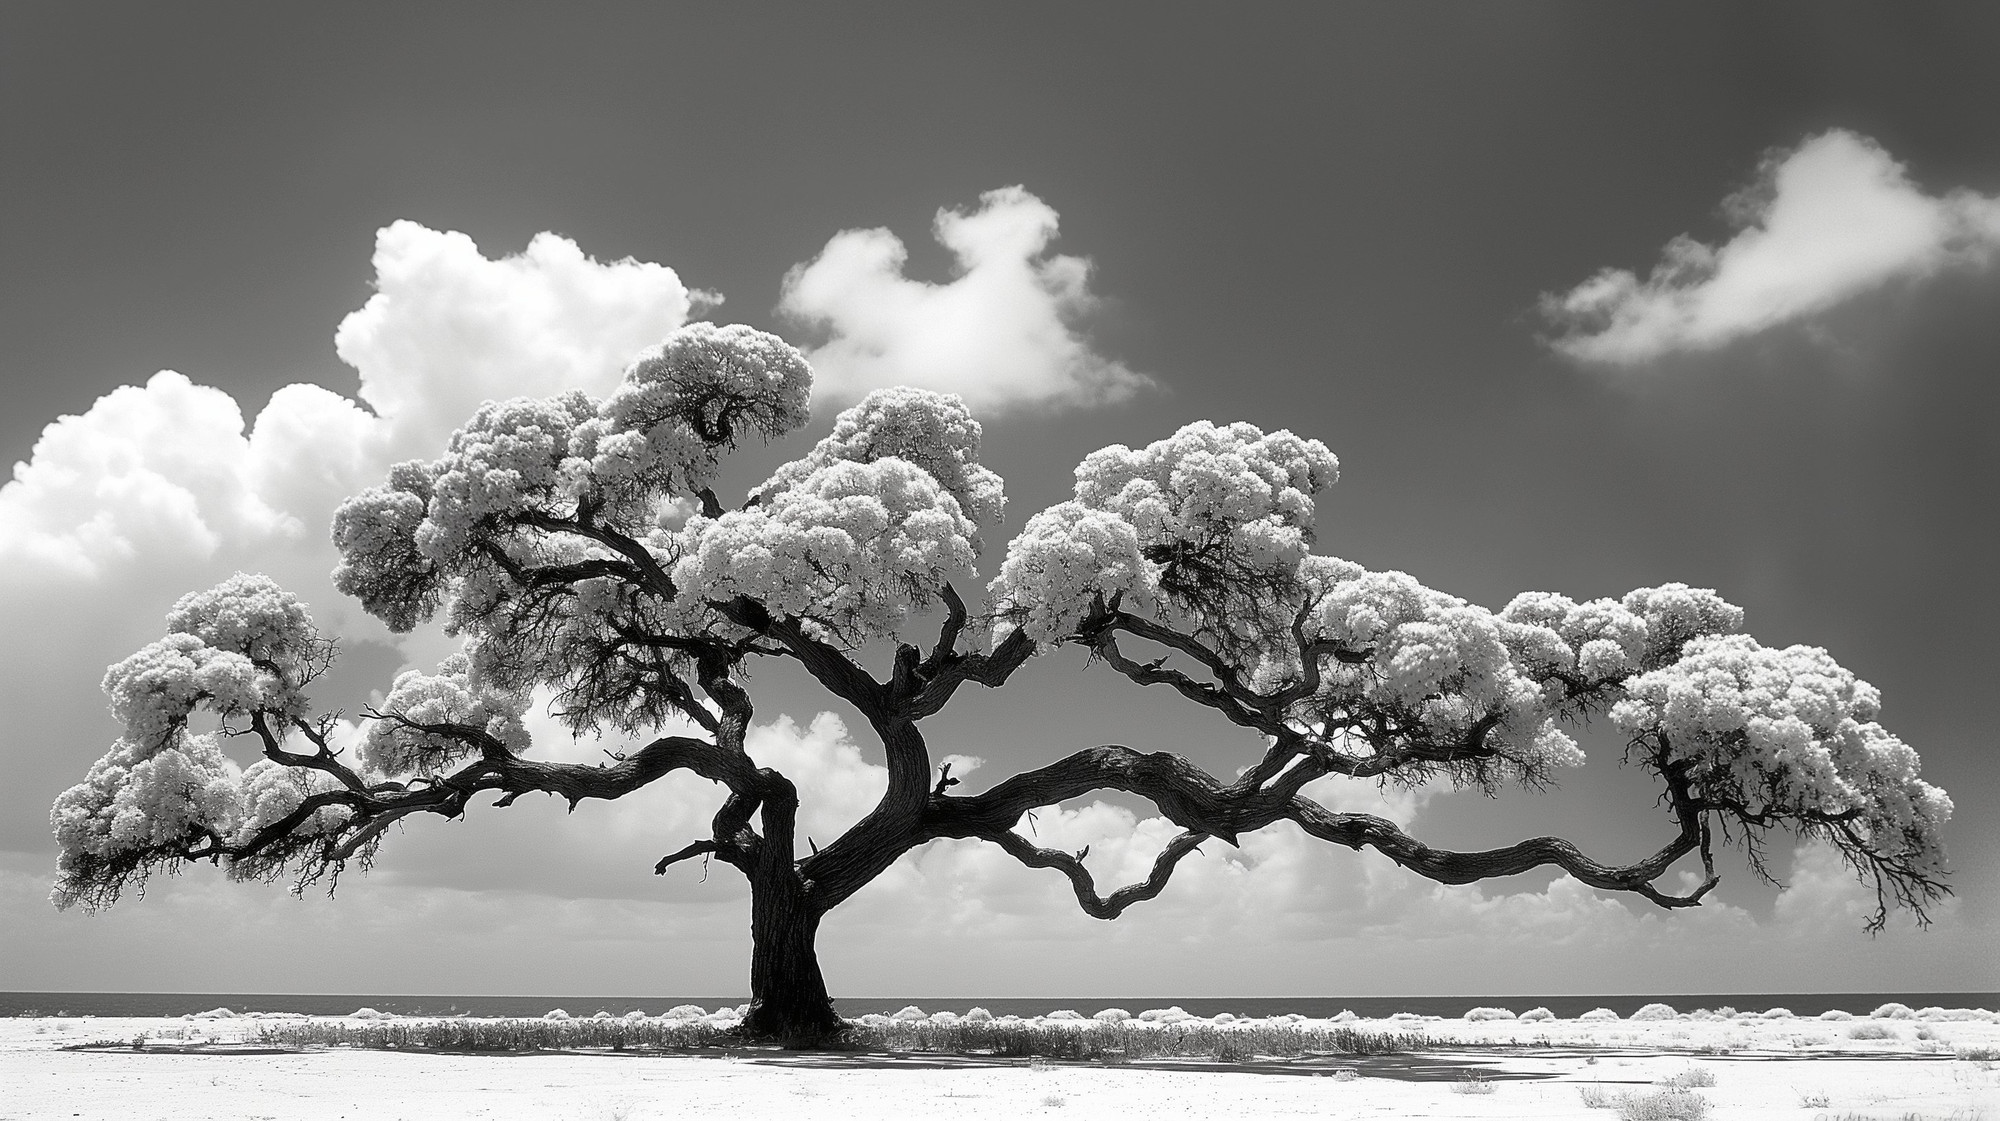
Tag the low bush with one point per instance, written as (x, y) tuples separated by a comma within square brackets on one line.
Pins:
[(1871, 1031), (1536, 1014), (1661, 1105), (1472, 1084), (1689, 1079), (1893, 1011), (1012, 1037), (1484, 1013), (1656, 1012)]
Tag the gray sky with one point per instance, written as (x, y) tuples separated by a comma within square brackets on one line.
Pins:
[(1340, 219)]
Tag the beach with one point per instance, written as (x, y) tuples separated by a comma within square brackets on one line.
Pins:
[(1749, 1067)]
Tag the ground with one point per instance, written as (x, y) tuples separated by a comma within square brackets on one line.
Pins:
[(1761, 1068)]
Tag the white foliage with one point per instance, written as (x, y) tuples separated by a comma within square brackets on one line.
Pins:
[(136, 798), (268, 792), (1191, 526), (933, 430), (243, 647), (448, 696), (1789, 732), (852, 548), (1066, 556), (688, 399), (1438, 660)]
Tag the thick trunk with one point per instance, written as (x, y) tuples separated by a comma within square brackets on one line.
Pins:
[(788, 1000)]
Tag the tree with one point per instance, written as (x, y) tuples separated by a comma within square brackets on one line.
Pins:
[(577, 547)]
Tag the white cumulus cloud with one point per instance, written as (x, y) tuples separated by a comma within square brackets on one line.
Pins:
[(170, 469), (448, 329), (1002, 334), (1825, 222)]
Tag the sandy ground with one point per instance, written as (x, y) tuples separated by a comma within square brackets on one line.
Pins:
[(1804, 1069)]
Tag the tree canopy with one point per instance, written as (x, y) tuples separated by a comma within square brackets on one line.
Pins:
[(578, 548)]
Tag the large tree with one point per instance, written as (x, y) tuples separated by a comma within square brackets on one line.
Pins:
[(579, 549)]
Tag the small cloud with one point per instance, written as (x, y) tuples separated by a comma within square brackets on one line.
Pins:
[(1002, 334), (1825, 222)]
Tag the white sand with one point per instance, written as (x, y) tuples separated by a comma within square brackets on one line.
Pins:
[(1772, 1069)]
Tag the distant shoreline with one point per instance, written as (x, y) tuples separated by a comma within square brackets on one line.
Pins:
[(1566, 1006)]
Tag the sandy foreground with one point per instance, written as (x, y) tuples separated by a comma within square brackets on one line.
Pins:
[(1762, 1068)]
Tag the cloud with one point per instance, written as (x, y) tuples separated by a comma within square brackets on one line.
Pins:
[(1832, 219), (1002, 334), (160, 489), (448, 329), (163, 467)]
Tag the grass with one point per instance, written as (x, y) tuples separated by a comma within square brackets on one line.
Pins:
[(1661, 1105), (1674, 1103), (1472, 1084), (1088, 1040)]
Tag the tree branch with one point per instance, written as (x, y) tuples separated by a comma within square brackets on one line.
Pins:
[(1200, 804), (1071, 865)]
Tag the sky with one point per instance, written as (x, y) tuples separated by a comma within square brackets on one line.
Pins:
[(1584, 298)]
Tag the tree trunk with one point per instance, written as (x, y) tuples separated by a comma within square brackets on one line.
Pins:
[(788, 1000)]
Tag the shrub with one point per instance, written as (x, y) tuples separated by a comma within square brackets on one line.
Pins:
[(1661, 1105), (1777, 1014), (1471, 1083), (1599, 1014), (978, 1016), (1484, 1013), (1689, 1079), (1836, 1014), (1893, 1011), (911, 1013), (1111, 1015), (1345, 1017), (1595, 1096), (1537, 1014), (1871, 1031), (1064, 1014), (1655, 1012)]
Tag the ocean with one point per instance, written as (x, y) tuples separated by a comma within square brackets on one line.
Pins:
[(1566, 1006)]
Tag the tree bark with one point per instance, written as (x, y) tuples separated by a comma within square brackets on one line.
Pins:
[(788, 998)]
